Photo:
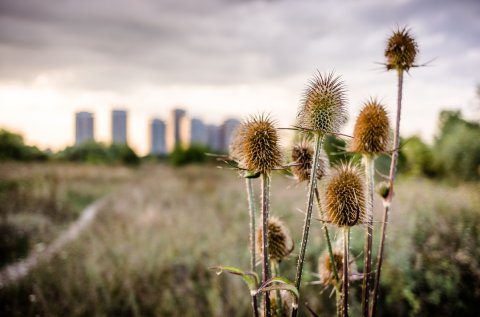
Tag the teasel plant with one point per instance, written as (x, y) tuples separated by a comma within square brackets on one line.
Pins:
[(301, 166), (280, 245), (259, 152), (400, 53), (345, 208), (370, 139), (322, 111)]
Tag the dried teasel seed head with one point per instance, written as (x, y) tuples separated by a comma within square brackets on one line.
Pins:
[(323, 106), (325, 267), (401, 50), (256, 145), (302, 157), (371, 134), (235, 147), (345, 196), (280, 243)]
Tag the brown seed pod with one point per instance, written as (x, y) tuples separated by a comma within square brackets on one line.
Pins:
[(401, 50), (256, 145), (280, 243), (323, 106), (345, 197), (325, 267), (371, 134), (302, 157)]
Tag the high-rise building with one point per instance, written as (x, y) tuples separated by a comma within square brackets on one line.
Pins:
[(214, 137), (157, 137), (83, 127), (228, 128), (193, 131), (173, 128), (119, 126)]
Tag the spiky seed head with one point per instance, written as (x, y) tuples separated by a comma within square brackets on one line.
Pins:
[(371, 134), (325, 267), (302, 157), (345, 196), (280, 243), (323, 106), (401, 50), (256, 145)]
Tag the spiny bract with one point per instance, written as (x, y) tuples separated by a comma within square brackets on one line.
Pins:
[(401, 50), (345, 197), (302, 156), (256, 145), (372, 129), (280, 243), (323, 106)]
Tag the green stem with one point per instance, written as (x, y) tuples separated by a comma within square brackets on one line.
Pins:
[(278, 296), (339, 303), (308, 215), (252, 212), (329, 243), (265, 259), (393, 171), (346, 248), (367, 267)]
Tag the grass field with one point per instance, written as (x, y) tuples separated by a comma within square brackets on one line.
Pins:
[(148, 251)]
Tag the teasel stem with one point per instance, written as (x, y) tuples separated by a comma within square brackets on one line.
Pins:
[(388, 200), (252, 212), (346, 248), (329, 243), (278, 297), (308, 215), (368, 161), (339, 297), (265, 261)]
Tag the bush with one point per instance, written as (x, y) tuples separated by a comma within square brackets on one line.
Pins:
[(193, 154), (99, 153), (12, 147)]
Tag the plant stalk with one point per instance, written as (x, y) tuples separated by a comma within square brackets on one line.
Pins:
[(388, 200), (252, 213), (346, 261), (329, 243), (367, 267), (265, 261), (308, 215)]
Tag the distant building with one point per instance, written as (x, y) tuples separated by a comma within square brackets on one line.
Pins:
[(157, 137), (83, 127), (228, 128), (119, 126), (193, 131), (214, 137), (173, 128)]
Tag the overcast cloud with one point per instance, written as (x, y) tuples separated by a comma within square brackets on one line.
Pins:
[(120, 46)]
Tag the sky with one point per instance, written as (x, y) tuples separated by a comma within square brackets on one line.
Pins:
[(224, 58)]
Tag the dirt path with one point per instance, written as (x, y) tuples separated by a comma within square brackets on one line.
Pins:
[(17, 270)]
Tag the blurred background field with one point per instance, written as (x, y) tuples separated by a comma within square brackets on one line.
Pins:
[(149, 250)]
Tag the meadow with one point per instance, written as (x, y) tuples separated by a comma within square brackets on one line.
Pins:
[(149, 250)]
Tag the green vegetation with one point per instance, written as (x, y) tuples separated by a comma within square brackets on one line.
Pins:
[(12, 147), (99, 153), (149, 250)]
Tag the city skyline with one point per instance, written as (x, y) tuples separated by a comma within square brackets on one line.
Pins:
[(182, 130), (59, 57)]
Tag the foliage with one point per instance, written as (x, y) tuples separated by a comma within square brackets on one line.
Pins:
[(12, 147), (100, 153), (457, 147), (419, 160), (182, 156)]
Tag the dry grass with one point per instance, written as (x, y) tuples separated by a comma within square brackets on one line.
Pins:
[(149, 250)]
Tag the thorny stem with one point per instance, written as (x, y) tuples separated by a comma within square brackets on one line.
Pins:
[(278, 296), (329, 244), (346, 247), (367, 267), (339, 303), (265, 259), (252, 212), (387, 203), (308, 215)]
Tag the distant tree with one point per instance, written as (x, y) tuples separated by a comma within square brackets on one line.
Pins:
[(12, 147), (418, 157), (457, 147), (99, 153), (194, 154)]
